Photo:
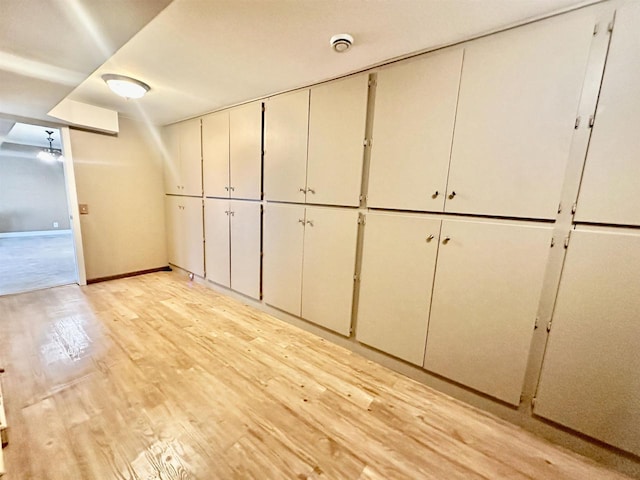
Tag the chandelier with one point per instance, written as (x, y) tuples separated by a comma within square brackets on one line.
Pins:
[(50, 154)]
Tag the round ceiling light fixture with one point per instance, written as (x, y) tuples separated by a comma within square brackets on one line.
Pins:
[(341, 42), (126, 87)]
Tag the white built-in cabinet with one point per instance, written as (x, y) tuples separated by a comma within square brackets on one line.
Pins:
[(232, 248), (590, 380), (184, 233), (232, 152), (396, 279), (183, 159), (610, 190), (309, 262), (314, 143), (415, 107)]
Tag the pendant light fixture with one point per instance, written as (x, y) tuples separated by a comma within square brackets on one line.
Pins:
[(50, 154), (126, 87)]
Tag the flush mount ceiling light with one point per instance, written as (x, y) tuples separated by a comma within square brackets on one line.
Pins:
[(341, 42), (126, 87)]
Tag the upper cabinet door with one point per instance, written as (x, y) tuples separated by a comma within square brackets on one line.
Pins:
[(589, 380), (191, 157), (329, 264), (171, 159), (283, 236), (609, 192), (245, 144), (519, 97), (215, 154), (412, 131), (485, 300), (337, 119), (286, 128), (398, 263), (216, 228), (245, 248)]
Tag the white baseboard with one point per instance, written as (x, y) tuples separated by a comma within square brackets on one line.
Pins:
[(41, 233)]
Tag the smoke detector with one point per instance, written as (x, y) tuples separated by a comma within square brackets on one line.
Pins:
[(341, 42)]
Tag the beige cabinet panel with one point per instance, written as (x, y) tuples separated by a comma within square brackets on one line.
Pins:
[(485, 299), (215, 154), (245, 145), (398, 264), (329, 265), (245, 247), (185, 233), (412, 131), (217, 244), (171, 159), (590, 380), (286, 128), (337, 117), (609, 192), (283, 237), (191, 157), (519, 96)]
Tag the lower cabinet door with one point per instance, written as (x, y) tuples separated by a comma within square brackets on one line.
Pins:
[(282, 262), (398, 263), (245, 247), (217, 248), (173, 217), (192, 238), (590, 378), (485, 299), (329, 264)]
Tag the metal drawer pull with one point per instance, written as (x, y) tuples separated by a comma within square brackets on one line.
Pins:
[(430, 237), (311, 190), (446, 240), (435, 194), (451, 195), (301, 220), (226, 188), (233, 189), (310, 223), (303, 190)]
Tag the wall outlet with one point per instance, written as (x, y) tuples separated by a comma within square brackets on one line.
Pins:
[(55, 224), (84, 208)]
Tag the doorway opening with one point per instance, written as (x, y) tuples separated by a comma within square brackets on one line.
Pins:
[(37, 244)]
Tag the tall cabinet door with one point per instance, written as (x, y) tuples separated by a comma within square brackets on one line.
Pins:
[(398, 263), (217, 247), (245, 247), (609, 192), (286, 128), (328, 267), (337, 119), (245, 143), (191, 157), (173, 219), (215, 154), (412, 130), (171, 159), (283, 236), (485, 299), (193, 235), (589, 380), (519, 96)]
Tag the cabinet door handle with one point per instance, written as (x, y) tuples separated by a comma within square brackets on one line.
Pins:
[(451, 195), (226, 188), (430, 237), (303, 190), (231, 213), (301, 220), (233, 189), (311, 190), (446, 240), (226, 212), (435, 194), (310, 223)]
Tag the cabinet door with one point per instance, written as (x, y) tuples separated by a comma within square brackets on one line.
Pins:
[(282, 261), (245, 247), (609, 192), (337, 118), (589, 380), (398, 263), (412, 131), (286, 128), (171, 159), (485, 299), (173, 219), (191, 157), (217, 248), (328, 267), (193, 235), (519, 95), (215, 154), (245, 144)]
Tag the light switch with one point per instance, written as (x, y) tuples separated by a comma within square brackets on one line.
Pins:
[(84, 208)]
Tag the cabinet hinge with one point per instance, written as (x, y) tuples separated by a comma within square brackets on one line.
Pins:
[(264, 152), (372, 82), (521, 399), (367, 142), (553, 242), (592, 120), (264, 108), (566, 240), (574, 207), (355, 277), (577, 124), (261, 254), (610, 26), (559, 207), (361, 220), (596, 27), (535, 325), (363, 198), (533, 402), (549, 326)]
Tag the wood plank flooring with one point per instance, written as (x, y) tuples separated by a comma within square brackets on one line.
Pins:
[(154, 377)]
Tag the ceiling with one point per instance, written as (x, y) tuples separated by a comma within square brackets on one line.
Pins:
[(201, 55)]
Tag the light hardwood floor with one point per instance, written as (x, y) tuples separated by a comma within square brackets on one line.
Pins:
[(154, 377)]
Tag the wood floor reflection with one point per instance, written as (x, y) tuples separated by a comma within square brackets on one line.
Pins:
[(154, 377)]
